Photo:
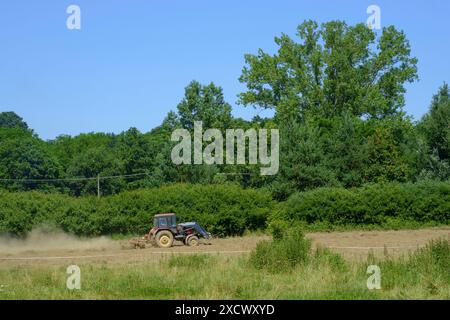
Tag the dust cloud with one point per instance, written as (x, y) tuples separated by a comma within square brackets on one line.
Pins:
[(41, 239)]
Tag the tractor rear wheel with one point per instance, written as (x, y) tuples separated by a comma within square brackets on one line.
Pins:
[(192, 241), (164, 239)]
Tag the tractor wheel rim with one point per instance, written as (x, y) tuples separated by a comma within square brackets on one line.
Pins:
[(164, 240)]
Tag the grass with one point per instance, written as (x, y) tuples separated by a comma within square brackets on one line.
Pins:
[(390, 224), (312, 274)]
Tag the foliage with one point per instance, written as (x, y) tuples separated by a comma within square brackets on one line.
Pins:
[(288, 249), (222, 210), (370, 205), (335, 68), (12, 120), (24, 156), (204, 103), (435, 128), (337, 94)]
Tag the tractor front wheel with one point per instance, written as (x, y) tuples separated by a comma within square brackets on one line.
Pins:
[(192, 241), (164, 239)]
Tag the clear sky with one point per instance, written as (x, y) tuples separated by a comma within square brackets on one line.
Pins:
[(130, 62)]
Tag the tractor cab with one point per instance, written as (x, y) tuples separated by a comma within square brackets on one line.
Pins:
[(165, 221)]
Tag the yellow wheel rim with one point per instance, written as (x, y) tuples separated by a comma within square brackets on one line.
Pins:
[(164, 240)]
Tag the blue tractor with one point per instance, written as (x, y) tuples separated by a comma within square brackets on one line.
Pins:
[(166, 230)]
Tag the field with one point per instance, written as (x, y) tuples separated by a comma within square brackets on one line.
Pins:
[(335, 268)]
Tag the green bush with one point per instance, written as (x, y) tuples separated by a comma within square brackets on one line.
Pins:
[(377, 204), (221, 209), (227, 210), (324, 256), (287, 250)]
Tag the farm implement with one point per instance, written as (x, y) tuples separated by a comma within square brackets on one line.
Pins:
[(166, 230)]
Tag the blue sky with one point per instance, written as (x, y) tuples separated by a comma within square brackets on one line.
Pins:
[(130, 62)]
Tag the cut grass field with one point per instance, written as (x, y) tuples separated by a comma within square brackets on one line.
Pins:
[(283, 269)]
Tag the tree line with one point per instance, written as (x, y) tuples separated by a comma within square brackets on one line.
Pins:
[(337, 92)]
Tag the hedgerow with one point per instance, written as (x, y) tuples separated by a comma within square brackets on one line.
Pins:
[(221, 209), (377, 204), (226, 210)]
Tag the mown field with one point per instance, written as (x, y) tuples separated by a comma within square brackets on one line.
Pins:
[(286, 267)]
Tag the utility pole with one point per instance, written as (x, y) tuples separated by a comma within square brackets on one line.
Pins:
[(98, 186)]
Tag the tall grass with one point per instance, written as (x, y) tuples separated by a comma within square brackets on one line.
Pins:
[(427, 270), (316, 274)]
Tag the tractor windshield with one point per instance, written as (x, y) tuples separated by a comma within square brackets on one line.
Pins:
[(172, 221), (165, 221)]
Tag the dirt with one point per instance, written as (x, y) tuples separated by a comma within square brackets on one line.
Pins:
[(62, 249), (357, 245)]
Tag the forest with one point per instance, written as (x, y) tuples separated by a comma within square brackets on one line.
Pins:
[(337, 96)]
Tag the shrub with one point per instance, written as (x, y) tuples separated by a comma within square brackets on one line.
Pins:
[(222, 209), (324, 256), (227, 210), (286, 251), (371, 205)]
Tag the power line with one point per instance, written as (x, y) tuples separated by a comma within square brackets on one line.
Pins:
[(235, 173), (75, 178)]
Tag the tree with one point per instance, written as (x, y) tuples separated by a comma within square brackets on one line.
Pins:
[(386, 162), (346, 148), (436, 123), (435, 130), (303, 163), (204, 103), (134, 151), (12, 120), (335, 68), (95, 162), (24, 156)]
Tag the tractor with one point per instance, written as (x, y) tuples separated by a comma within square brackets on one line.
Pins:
[(166, 230)]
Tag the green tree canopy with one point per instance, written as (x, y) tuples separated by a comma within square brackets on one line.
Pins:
[(436, 123), (334, 68), (434, 127), (12, 120), (204, 103), (24, 156)]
